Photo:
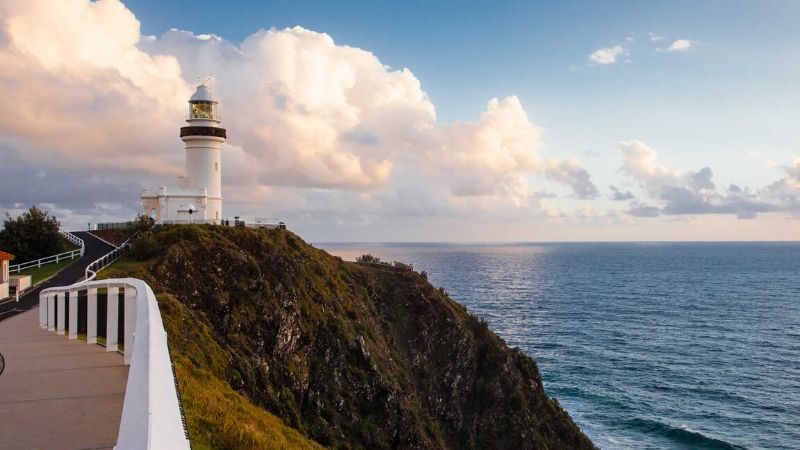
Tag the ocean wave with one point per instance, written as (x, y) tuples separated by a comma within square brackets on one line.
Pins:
[(682, 435)]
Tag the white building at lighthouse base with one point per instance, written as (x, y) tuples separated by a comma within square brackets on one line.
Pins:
[(180, 205)]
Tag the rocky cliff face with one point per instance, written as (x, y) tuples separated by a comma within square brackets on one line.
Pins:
[(349, 355)]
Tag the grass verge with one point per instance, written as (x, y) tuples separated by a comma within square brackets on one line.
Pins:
[(46, 271)]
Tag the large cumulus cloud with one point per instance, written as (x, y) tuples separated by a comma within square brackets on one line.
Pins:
[(83, 89)]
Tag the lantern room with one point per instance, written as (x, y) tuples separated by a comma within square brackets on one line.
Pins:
[(202, 105)]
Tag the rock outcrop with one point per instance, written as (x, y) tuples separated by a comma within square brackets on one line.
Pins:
[(349, 355)]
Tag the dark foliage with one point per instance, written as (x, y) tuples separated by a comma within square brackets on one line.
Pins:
[(140, 224), (31, 236)]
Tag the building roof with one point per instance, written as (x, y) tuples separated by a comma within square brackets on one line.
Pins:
[(6, 256), (203, 93)]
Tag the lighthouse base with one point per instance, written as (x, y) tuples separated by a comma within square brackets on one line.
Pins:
[(181, 206)]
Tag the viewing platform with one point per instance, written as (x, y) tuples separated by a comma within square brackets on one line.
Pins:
[(57, 393)]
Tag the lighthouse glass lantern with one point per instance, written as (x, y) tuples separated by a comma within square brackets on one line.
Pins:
[(201, 109), (202, 105)]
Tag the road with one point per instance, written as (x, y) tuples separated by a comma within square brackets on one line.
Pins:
[(94, 248)]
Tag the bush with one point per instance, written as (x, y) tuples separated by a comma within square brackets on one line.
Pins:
[(140, 224), (368, 259), (31, 236)]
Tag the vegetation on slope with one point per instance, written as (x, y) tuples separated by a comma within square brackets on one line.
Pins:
[(217, 416), (351, 356)]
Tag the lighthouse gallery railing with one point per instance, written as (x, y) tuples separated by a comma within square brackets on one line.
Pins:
[(151, 414)]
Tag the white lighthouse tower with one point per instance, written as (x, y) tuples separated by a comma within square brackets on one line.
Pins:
[(200, 197), (204, 137)]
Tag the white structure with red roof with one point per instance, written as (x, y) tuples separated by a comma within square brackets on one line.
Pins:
[(4, 277)]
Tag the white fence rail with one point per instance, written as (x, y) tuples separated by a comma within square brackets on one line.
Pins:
[(151, 412), (259, 223), (188, 221), (17, 268), (105, 260)]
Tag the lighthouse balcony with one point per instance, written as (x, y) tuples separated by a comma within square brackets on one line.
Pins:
[(204, 131)]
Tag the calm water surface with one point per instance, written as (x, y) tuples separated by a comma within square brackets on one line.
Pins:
[(647, 345)]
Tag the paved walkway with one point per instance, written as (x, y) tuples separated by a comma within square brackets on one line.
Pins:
[(57, 393), (93, 249)]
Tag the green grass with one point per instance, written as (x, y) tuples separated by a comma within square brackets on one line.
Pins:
[(46, 271), (123, 267), (218, 416), (68, 246)]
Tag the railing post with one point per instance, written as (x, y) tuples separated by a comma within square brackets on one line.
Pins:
[(112, 317), (130, 322), (91, 316), (73, 314), (60, 300), (39, 263), (51, 312), (43, 311)]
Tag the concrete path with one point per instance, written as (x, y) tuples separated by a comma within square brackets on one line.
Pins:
[(93, 249), (57, 393)]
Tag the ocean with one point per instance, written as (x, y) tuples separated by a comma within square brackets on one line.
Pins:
[(647, 345)]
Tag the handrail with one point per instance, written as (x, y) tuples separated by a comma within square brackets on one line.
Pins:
[(74, 239), (105, 260), (53, 258), (151, 416), (188, 222)]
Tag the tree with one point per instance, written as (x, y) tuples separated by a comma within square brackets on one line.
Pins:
[(32, 235), (140, 224)]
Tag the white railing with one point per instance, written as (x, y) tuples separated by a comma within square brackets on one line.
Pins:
[(17, 268), (270, 226), (151, 412), (74, 239), (188, 221), (104, 261)]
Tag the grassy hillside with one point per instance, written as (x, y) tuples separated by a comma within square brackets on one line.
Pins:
[(350, 356)]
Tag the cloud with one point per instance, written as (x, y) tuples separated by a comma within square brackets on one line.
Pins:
[(492, 155), (568, 171), (680, 45), (641, 210), (654, 37), (621, 196), (688, 192), (606, 55), (85, 93), (74, 81), (327, 115)]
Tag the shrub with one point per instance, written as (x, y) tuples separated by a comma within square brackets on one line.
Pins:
[(368, 259)]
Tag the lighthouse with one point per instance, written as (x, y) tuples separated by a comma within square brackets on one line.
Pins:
[(199, 198)]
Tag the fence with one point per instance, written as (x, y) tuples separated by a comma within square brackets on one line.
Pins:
[(17, 268), (188, 221), (151, 414), (105, 260), (112, 225)]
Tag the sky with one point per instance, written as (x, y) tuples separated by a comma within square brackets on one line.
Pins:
[(417, 121)]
